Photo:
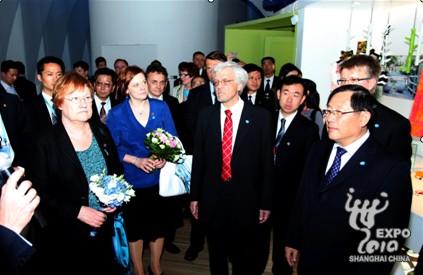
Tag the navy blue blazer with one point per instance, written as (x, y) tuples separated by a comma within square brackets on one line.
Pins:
[(14, 251)]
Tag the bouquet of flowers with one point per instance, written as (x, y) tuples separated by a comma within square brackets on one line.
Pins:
[(111, 191), (165, 146)]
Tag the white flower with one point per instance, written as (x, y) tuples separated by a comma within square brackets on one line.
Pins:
[(112, 184), (162, 146), (154, 140), (95, 178)]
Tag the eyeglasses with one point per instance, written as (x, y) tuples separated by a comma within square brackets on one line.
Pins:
[(224, 82), (352, 80), (337, 113), (103, 84), (78, 100)]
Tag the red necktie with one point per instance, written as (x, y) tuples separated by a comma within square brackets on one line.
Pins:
[(227, 147)]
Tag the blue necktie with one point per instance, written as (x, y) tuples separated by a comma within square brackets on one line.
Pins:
[(281, 132), (334, 169)]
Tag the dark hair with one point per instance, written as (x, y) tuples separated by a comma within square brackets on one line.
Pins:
[(312, 100), (20, 66), (100, 59), (50, 59), (121, 60), (81, 63), (156, 62), (291, 80), (189, 67), (372, 65), (196, 53), (6, 65), (287, 68), (106, 71), (361, 99), (154, 68), (268, 58), (217, 55)]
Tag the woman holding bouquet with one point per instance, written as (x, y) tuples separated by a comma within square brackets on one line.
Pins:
[(66, 156), (147, 214)]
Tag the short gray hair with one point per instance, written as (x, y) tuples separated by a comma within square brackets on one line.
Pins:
[(241, 76)]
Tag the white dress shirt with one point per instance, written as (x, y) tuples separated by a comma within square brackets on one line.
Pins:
[(9, 88), (48, 100), (236, 117), (351, 149), (253, 97), (107, 106), (288, 121), (270, 82), (213, 96)]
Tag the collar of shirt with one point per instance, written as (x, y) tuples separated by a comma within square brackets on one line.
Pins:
[(48, 99), (253, 97), (288, 121), (159, 98), (271, 80), (9, 88), (236, 110), (98, 101), (351, 150)]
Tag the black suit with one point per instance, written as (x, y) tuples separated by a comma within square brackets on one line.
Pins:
[(290, 158), (16, 122), (265, 100), (230, 210), (26, 89), (14, 251), (38, 113), (62, 184), (322, 227), (198, 99)]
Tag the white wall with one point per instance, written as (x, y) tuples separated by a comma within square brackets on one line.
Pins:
[(323, 33), (176, 28)]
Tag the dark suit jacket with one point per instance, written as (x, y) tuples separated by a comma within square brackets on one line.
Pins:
[(17, 125), (321, 227), (14, 251), (198, 99), (290, 157), (251, 166), (38, 114), (265, 100), (26, 89)]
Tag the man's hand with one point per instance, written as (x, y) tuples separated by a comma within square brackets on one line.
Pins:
[(292, 256), (264, 215), (17, 204), (194, 209)]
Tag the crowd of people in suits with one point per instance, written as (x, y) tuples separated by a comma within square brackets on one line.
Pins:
[(266, 159)]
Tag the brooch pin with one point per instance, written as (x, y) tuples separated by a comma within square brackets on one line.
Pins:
[(288, 143), (153, 116), (362, 163), (247, 121), (377, 125)]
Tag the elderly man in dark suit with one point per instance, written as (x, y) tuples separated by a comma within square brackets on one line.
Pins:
[(231, 184), (294, 135), (353, 195), (389, 128)]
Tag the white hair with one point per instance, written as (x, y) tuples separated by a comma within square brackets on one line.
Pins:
[(241, 76)]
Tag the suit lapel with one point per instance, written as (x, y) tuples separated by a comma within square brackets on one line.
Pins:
[(243, 127), (358, 161), (66, 146)]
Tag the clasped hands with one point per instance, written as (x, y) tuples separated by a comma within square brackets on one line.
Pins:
[(148, 165), (93, 217)]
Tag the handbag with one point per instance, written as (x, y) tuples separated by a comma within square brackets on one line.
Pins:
[(175, 178), (120, 242)]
